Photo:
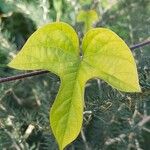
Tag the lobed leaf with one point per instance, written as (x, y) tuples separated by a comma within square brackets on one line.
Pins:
[(55, 47)]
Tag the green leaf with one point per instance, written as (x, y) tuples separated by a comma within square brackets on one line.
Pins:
[(55, 47), (88, 17), (50, 47), (110, 59)]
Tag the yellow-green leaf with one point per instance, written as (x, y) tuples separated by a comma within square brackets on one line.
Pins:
[(50, 47), (88, 17), (55, 47), (110, 59)]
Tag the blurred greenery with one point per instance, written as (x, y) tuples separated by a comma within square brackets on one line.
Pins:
[(112, 120)]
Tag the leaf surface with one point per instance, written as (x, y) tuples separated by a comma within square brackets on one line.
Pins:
[(55, 47), (51, 47), (110, 59)]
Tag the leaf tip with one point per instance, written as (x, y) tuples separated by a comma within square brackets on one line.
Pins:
[(10, 64), (139, 89)]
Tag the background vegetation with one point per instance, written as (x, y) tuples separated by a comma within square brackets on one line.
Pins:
[(112, 120)]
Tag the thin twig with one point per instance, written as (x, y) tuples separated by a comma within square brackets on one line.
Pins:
[(140, 45), (111, 141), (21, 76), (34, 73), (144, 121), (84, 140)]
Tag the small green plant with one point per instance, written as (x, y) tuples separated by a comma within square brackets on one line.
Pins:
[(88, 17), (55, 47)]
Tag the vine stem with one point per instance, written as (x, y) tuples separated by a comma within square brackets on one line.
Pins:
[(24, 75), (34, 73), (140, 45)]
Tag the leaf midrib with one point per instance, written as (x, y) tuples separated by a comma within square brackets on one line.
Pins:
[(72, 93)]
